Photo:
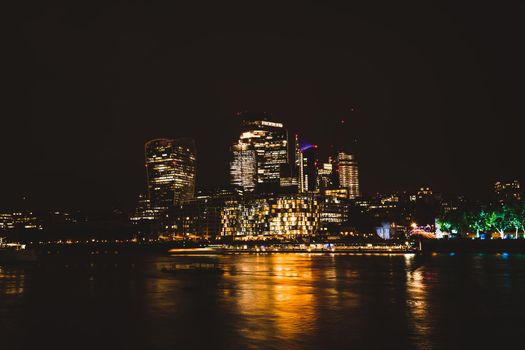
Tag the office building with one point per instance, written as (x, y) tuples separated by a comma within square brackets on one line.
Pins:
[(270, 216), (243, 167), (269, 140), (308, 159), (171, 168), (185, 158), (348, 174), (325, 177)]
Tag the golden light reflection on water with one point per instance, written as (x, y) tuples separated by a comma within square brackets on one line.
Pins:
[(278, 300), (417, 298)]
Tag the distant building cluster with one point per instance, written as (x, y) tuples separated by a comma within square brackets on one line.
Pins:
[(507, 191), (20, 221), (282, 190), (262, 162), (275, 191), (278, 190)]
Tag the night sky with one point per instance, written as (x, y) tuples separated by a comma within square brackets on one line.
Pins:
[(432, 91)]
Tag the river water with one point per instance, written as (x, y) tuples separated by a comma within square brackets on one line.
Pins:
[(280, 301)]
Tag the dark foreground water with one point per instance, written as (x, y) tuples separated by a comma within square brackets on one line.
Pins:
[(287, 301)]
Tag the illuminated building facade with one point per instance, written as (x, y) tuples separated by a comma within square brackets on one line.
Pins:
[(308, 160), (507, 191), (62, 217), (243, 167), (294, 216), (298, 158), (337, 192), (424, 192), (325, 177), (160, 167), (185, 158), (7, 221), (146, 218), (279, 216), (200, 217), (245, 218), (289, 184), (170, 166), (348, 174), (425, 196), (144, 211), (26, 221), (269, 140), (230, 218), (333, 211)]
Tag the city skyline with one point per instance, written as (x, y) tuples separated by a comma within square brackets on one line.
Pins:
[(296, 174), (328, 152), (435, 106)]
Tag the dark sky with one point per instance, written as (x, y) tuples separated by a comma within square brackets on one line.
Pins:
[(437, 90)]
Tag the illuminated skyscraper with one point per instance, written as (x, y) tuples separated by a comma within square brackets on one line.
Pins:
[(297, 159), (161, 172), (184, 156), (270, 142), (170, 166), (243, 167), (308, 168), (348, 174), (325, 176)]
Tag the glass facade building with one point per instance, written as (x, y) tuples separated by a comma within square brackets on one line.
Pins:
[(308, 168), (292, 216), (170, 167), (243, 167), (245, 218), (274, 216), (325, 177), (348, 174), (185, 162), (269, 140)]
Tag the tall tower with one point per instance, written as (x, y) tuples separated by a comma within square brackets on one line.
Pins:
[(297, 159), (348, 174), (160, 171), (269, 140), (170, 167), (243, 167), (185, 158), (308, 160)]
